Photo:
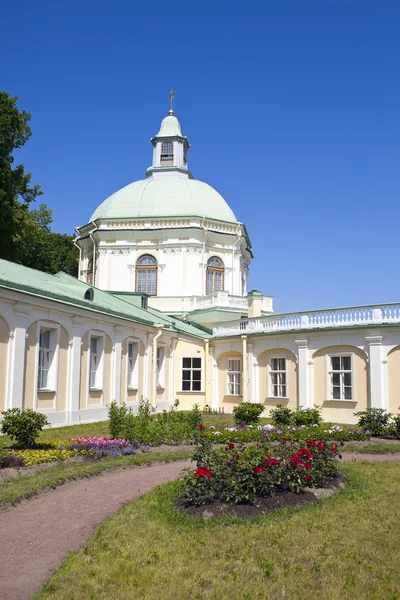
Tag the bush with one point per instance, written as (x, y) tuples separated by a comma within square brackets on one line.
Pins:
[(238, 474), (307, 416), (281, 415), (248, 413), (23, 426), (376, 420), (116, 419), (395, 426)]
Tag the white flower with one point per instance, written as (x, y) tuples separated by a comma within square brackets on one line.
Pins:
[(211, 427), (217, 433)]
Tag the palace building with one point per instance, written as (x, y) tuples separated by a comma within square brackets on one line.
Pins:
[(161, 310)]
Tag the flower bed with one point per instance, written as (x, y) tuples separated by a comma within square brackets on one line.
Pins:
[(238, 474)]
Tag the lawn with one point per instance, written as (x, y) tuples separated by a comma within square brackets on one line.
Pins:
[(345, 547)]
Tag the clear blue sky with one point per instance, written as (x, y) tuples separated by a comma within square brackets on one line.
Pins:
[(292, 109)]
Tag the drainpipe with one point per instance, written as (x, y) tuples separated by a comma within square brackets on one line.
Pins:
[(233, 256), (206, 359), (80, 251), (94, 252), (204, 250), (154, 366), (244, 370)]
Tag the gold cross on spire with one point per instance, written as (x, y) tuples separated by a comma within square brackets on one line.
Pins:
[(171, 97)]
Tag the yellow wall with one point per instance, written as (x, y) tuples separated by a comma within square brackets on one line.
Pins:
[(227, 402), (393, 366), (186, 349), (4, 340), (291, 379), (340, 410)]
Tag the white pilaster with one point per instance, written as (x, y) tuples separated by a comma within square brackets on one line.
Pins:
[(304, 378), (244, 369), (214, 380), (119, 334), (16, 373), (74, 369), (377, 389), (171, 373), (250, 372)]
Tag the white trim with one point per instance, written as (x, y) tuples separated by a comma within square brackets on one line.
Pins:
[(100, 368), (135, 373), (328, 372), (270, 394), (191, 369), (53, 370), (239, 372)]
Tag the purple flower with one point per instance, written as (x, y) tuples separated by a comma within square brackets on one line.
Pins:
[(358, 432), (278, 432), (367, 432)]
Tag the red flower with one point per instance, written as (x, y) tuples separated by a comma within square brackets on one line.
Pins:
[(202, 427), (307, 477), (342, 443), (308, 465), (231, 445), (321, 446), (258, 470), (202, 472), (304, 452)]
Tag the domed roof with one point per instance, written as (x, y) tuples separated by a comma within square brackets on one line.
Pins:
[(165, 197), (170, 127)]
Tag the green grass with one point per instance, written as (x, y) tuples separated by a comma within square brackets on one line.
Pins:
[(379, 447), (345, 547), (20, 488), (99, 429)]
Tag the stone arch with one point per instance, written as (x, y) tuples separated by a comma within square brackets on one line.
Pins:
[(4, 345), (393, 378), (264, 378), (340, 410)]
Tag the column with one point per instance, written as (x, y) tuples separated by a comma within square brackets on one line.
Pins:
[(206, 370), (16, 378), (119, 334), (377, 389), (253, 375), (214, 380), (304, 399), (171, 374), (244, 368), (74, 370)]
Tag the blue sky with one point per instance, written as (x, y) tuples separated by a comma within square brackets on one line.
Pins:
[(291, 108)]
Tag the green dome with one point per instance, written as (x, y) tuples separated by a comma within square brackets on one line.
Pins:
[(165, 197), (170, 127)]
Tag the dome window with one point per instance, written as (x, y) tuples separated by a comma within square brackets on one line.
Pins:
[(89, 294), (146, 275), (167, 154), (215, 275)]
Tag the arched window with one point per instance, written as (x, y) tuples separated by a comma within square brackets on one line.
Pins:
[(167, 154), (146, 275), (215, 275)]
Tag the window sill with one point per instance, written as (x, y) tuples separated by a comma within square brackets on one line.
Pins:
[(160, 388), (95, 389), (133, 389), (284, 398), (189, 392), (233, 396), (330, 400), (46, 390)]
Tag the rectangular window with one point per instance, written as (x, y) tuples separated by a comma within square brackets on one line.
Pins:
[(45, 359), (133, 365), (161, 367), (96, 355), (191, 374), (278, 377), (234, 377), (341, 378)]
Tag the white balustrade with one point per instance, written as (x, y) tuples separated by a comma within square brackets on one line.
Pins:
[(340, 317)]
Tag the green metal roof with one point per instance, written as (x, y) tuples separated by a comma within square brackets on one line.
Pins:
[(165, 197), (69, 290), (170, 127)]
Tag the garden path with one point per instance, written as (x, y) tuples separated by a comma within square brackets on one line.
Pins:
[(36, 534)]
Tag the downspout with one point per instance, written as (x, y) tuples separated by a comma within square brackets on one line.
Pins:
[(204, 251), (244, 370), (80, 251), (206, 359), (154, 366), (94, 251), (233, 256)]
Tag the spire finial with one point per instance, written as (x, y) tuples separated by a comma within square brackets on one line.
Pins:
[(171, 97)]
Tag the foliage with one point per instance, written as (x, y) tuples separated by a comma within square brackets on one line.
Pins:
[(25, 235), (307, 416), (10, 460), (37, 456), (23, 425), (394, 426), (374, 419), (281, 415), (116, 417), (248, 413), (238, 474)]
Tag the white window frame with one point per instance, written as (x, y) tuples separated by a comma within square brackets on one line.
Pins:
[(132, 373), (161, 356), (329, 372), (99, 381), (192, 369), (234, 377), (270, 373), (52, 375)]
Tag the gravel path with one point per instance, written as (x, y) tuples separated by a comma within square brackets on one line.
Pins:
[(38, 533)]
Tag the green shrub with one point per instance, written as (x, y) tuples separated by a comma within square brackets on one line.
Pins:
[(307, 416), (395, 426), (281, 415), (376, 420), (23, 426), (116, 419), (248, 413)]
